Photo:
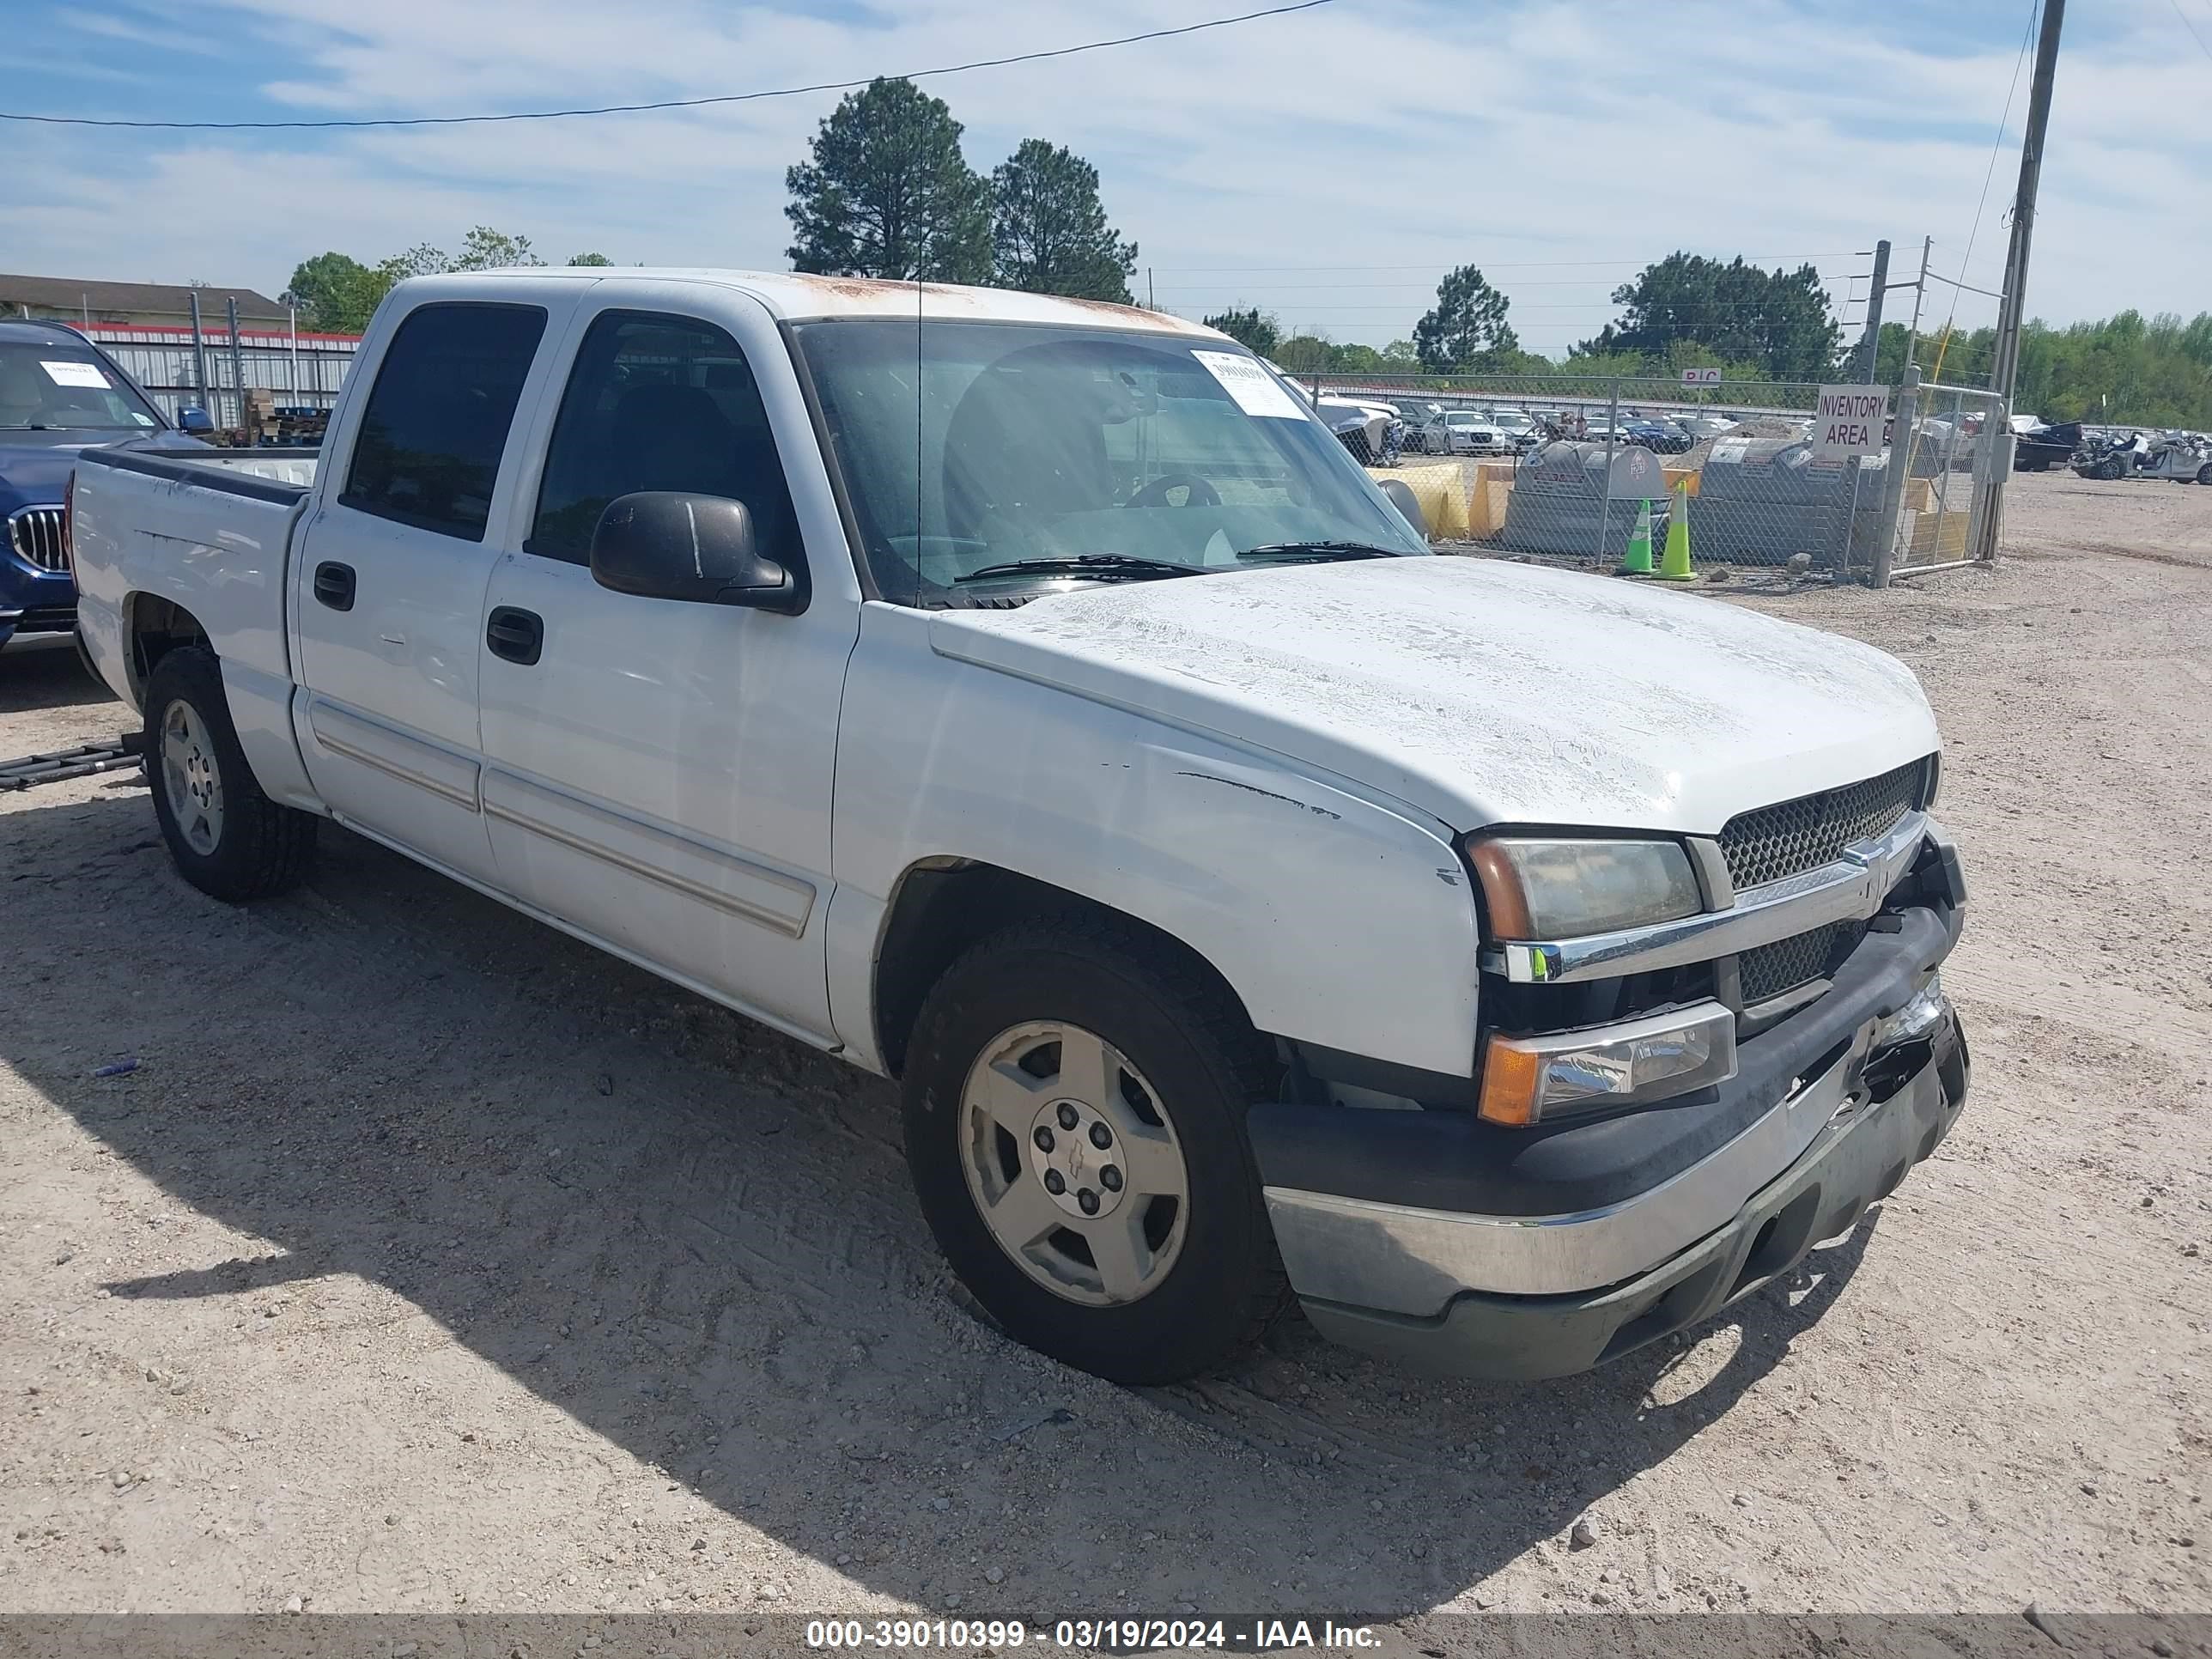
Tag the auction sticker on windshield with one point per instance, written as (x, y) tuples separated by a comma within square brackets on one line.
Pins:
[(1256, 392), (69, 373)]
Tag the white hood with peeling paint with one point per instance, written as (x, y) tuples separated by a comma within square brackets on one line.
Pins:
[(1481, 692)]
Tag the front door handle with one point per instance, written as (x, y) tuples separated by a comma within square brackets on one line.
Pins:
[(334, 585), (517, 636)]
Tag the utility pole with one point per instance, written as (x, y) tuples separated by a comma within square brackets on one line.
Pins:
[(2012, 311), (1870, 346), (1919, 294)]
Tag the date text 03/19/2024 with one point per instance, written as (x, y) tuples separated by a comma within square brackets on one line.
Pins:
[(1086, 1635)]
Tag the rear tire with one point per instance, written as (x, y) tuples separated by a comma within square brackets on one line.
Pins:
[(998, 1108), (228, 839)]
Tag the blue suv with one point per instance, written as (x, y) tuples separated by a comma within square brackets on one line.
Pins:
[(59, 394)]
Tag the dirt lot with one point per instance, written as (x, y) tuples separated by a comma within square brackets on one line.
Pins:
[(429, 1261)]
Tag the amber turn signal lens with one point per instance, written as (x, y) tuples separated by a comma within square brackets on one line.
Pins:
[(1502, 892), (1510, 1077)]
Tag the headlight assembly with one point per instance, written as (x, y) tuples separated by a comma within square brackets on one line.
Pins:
[(1545, 888)]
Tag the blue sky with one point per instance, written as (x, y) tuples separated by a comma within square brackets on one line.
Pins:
[(1327, 165)]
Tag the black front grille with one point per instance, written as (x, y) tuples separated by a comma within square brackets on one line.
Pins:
[(1769, 970), (1770, 842), (35, 533)]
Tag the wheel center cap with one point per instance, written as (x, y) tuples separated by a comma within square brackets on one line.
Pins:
[(1074, 1153)]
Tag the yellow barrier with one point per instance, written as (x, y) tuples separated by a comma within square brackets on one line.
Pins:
[(1940, 537), (1468, 501), (1442, 494)]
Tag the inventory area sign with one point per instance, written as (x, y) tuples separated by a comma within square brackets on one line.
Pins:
[(1848, 421)]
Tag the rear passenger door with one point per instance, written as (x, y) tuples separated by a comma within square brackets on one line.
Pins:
[(657, 773), (389, 585)]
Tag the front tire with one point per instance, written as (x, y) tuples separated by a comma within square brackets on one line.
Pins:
[(228, 839), (1074, 1103)]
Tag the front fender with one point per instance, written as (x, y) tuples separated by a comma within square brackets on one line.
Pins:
[(1339, 918)]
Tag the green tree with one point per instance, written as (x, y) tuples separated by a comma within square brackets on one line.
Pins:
[(887, 193), (1250, 327), (335, 292), (1399, 357), (589, 259), (1587, 360), (486, 249), (1048, 230), (1306, 354), (1778, 320), (420, 260), (1466, 329)]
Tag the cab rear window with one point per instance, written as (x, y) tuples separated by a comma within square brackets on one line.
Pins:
[(440, 414)]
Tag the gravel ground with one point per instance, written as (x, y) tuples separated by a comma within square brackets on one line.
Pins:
[(429, 1261)]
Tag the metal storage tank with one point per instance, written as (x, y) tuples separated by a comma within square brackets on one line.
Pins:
[(1761, 500), (1560, 489)]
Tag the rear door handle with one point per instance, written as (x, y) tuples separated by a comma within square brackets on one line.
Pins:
[(517, 635), (334, 585)]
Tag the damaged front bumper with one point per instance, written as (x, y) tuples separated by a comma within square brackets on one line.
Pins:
[(1457, 1247)]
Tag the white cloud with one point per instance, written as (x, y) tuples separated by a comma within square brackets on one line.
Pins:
[(1362, 136)]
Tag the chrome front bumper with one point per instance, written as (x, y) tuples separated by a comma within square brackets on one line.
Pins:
[(1856, 1157), (1402, 1259)]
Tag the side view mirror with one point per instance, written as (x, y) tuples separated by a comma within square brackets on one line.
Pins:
[(195, 422), (1408, 505), (665, 545)]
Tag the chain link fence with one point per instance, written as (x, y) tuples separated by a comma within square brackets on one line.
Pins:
[(1961, 446), (1599, 470)]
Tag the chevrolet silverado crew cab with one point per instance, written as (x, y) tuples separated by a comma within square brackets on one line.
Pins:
[(1030, 701)]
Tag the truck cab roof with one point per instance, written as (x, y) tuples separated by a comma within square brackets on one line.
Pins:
[(21, 331), (800, 296)]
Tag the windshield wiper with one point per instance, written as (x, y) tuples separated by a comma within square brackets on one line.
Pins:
[(1318, 550), (1084, 564)]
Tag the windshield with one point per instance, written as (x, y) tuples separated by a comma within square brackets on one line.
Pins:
[(1465, 420), (62, 388), (1034, 443)]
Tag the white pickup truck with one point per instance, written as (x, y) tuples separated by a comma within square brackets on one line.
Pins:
[(1030, 701)]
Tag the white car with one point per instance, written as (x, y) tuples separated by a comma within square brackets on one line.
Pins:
[(1464, 432), (1244, 898)]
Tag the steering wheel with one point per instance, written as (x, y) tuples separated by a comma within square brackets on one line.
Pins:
[(1155, 494)]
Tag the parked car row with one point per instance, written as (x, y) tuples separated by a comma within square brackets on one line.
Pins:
[(1374, 432), (1472, 432)]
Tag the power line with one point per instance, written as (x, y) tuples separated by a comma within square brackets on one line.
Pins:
[(666, 104), (2027, 39), (2190, 27), (1638, 262), (1412, 288)]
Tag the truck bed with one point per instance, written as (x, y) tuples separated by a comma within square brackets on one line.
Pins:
[(208, 532), (292, 471)]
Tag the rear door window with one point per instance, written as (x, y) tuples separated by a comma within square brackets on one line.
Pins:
[(659, 402), (439, 415)]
